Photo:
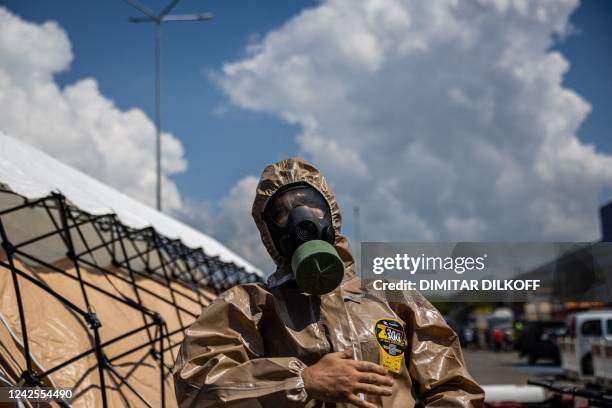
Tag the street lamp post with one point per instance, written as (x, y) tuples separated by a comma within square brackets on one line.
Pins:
[(151, 17)]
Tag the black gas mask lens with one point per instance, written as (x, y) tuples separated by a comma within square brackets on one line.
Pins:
[(298, 214)]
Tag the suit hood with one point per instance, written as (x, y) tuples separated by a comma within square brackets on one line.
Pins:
[(296, 170)]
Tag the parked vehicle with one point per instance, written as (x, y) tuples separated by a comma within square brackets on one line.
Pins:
[(602, 360), (584, 328), (538, 340)]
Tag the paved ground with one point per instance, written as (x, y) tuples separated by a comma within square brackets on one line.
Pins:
[(489, 367)]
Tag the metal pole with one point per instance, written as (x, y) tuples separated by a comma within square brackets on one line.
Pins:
[(158, 110), (357, 233), (150, 16)]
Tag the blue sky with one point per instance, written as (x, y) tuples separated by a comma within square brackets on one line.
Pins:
[(590, 53), (462, 128), (119, 55)]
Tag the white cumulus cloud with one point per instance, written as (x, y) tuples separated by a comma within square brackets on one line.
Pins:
[(442, 120), (230, 222), (77, 124)]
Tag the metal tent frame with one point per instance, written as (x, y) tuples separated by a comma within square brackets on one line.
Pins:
[(137, 253)]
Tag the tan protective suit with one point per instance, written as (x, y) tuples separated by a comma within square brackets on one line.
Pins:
[(248, 347)]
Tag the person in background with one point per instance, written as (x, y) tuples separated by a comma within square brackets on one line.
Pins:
[(498, 339)]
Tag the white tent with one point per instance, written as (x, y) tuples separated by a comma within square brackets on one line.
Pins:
[(33, 174)]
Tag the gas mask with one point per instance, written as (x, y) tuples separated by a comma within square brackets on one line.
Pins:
[(299, 220)]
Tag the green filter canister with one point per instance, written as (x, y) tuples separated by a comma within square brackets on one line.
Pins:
[(317, 267)]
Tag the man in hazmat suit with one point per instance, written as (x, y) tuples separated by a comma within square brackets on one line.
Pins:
[(313, 337)]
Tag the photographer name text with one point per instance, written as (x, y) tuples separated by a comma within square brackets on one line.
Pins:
[(459, 285)]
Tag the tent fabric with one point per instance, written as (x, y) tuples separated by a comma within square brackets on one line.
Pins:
[(56, 334), (34, 174), (67, 264), (83, 253)]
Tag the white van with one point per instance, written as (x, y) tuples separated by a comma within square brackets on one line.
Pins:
[(602, 362), (584, 328)]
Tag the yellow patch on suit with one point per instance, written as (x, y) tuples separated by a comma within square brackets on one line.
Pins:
[(391, 339)]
